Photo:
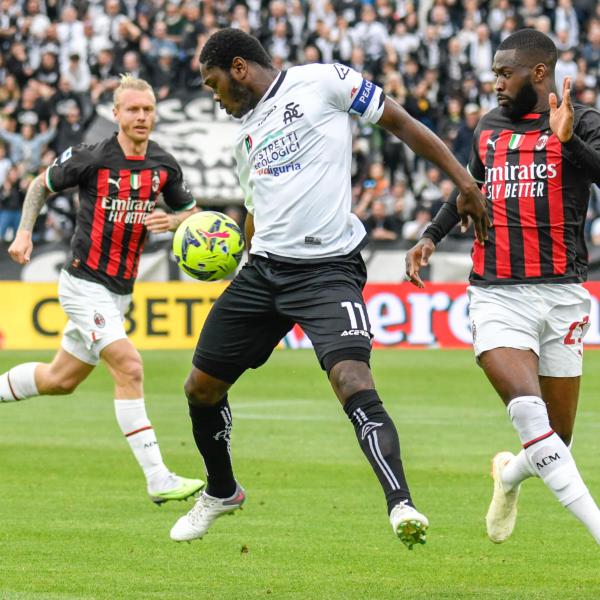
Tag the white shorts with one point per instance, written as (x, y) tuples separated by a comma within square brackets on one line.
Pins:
[(96, 317), (550, 319)]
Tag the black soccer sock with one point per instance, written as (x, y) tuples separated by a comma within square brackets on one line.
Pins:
[(211, 426), (378, 440)]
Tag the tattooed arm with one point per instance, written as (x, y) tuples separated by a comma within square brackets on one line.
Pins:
[(22, 246)]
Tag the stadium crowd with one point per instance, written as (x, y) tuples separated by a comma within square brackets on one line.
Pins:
[(59, 59)]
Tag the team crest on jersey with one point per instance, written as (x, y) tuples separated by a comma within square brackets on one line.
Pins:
[(516, 139), (99, 320), (135, 181), (341, 70), (155, 181), (248, 143), (541, 143), (291, 112)]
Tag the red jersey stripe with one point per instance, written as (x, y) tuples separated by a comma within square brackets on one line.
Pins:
[(95, 251), (555, 202), (478, 255), (116, 240), (133, 256), (503, 268), (529, 227)]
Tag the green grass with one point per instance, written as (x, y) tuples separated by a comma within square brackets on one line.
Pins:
[(75, 522)]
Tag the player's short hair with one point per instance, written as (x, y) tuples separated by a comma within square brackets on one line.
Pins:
[(129, 82), (224, 45), (532, 47)]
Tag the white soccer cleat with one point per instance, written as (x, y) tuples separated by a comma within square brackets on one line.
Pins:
[(6, 393), (409, 524), (502, 513), (206, 510)]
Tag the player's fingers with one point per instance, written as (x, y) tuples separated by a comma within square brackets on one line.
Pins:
[(464, 224), (552, 101), (567, 91)]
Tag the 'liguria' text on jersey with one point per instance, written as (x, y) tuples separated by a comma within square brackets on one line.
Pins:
[(294, 154)]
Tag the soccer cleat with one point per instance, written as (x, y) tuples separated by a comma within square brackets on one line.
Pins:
[(181, 489), (409, 524), (502, 513), (206, 510)]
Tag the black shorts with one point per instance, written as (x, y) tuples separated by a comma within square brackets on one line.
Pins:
[(268, 297)]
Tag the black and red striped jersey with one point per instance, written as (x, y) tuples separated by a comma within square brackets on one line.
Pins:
[(537, 191), (116, 193)]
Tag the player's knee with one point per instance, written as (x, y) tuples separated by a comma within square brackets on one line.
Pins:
[(130, 371), (350, 377), (200, 394), (62, 386)]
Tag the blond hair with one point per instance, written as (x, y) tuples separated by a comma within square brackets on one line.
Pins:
[(129, 82)]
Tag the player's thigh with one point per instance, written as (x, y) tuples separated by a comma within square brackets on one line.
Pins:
[(242, 328), (512, 372), (95, 317), (566, 323), (327, 302)]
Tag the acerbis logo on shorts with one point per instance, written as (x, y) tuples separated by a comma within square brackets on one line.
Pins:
[(99, 320), (355, 332)]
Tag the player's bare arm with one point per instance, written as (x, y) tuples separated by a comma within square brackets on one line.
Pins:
[(160, 221), (563, 116), (22, 246), (248, 230), (471, 202)]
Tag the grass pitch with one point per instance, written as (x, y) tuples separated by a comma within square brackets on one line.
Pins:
[(75, 522)]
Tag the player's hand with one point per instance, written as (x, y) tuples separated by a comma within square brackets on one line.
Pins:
[(471, 204), (21, 248), (158, 221), (561, 117), (417, 257)]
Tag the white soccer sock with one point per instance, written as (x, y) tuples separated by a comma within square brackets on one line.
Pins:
[(136, 427), (18, 383), (552, 460), (517, 470)]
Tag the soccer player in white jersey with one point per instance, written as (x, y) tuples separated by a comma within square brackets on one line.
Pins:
[(293, 154)]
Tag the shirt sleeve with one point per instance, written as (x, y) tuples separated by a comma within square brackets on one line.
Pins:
[(73, 166), (583, 149), (347, 90), (475, 167), (176, 193)]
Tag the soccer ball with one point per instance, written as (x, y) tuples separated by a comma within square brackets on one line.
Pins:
[(208, 245)]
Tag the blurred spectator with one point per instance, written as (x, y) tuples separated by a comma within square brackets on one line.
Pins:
[(70, 130), (464, 136), (413, 230), (12, 195), (378, 224), (5, 164), (26, 147)]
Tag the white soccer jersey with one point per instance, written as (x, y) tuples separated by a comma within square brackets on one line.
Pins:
[(293, 156)]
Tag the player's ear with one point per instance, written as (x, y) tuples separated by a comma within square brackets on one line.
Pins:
[(239, 68), (540, 72)]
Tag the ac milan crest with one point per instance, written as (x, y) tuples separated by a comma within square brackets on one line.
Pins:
[(99, 320)]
